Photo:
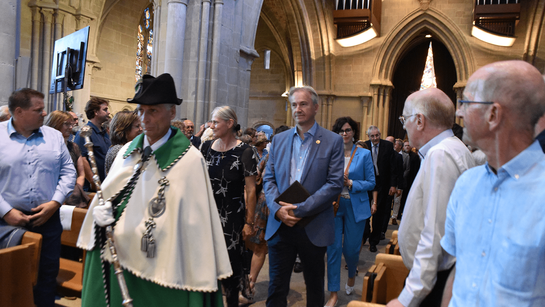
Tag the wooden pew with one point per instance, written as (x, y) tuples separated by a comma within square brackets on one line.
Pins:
[(19, 271), (384, 280), (70, 278), (393, 247)]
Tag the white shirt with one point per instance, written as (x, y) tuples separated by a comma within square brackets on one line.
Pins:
[(445, 158)]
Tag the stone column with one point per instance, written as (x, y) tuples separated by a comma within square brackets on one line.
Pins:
[(8, 40), (174, 48), (201, 64), (36, 18), (364, 117), (330, 100), (46, 67), (387, 91), (323, 110), (374, 106), (288, 113), (380, 120), (156, 37), (214, 60)]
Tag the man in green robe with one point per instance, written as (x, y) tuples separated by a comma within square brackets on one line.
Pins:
[(166, 228)]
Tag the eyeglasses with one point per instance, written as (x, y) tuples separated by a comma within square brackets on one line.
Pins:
[(67, 124), (347, 131), (403, 118), (470, 101)]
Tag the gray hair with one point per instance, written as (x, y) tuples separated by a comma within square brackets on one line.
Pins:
[(371, 128), (308, 89), (226, 113)]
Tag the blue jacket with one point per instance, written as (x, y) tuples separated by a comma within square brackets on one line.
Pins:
[(322, 177), (362, 174)]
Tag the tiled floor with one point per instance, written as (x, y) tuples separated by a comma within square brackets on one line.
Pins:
[(297, 295)]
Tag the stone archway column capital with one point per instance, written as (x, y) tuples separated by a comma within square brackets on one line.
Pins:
[(184, 2)]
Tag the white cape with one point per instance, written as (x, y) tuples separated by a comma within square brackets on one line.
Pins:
[(190, 249)]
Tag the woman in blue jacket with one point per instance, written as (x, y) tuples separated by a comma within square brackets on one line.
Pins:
[(353, 209)]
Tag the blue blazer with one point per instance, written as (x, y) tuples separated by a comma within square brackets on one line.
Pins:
[(322, 176), (362, 174)]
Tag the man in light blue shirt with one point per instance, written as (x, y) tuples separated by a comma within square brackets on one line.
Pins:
[(36, 175), (495, 226)]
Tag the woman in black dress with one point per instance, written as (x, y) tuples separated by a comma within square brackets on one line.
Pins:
[(232, 170)]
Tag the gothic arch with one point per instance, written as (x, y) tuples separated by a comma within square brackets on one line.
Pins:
[(443, 29)]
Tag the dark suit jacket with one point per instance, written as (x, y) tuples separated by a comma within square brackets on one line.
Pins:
[(196, 141), (400, 181), (386, 164), (541, 138), (322, 177), (414, 160)]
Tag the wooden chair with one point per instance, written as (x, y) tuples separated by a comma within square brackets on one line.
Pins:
[(384, 280), (70, 278), (393, 247), (19, 271)]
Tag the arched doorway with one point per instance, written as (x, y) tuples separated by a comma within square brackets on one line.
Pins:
[(408, 75)]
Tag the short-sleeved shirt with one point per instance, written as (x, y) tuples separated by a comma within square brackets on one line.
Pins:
[(496, 230)]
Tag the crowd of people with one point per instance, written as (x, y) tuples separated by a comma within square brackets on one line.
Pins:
[(195, 213)]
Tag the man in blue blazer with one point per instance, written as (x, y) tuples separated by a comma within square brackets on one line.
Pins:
[(313, 156)]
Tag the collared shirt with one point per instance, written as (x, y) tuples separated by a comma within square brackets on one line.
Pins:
[(101, 144), (33, 170), (299, 152), (159, 143), (496, 230), (423, 223)]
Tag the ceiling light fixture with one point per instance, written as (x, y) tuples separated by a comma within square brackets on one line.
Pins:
[(359, 38), (494, 39)]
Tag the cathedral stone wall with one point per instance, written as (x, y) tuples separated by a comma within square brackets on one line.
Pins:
[(114, 79)]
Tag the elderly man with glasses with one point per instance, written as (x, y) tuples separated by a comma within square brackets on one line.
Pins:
[(495, 226), (427, 117)]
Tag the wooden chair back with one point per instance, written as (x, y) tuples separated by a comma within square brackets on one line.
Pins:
[(19, 271), (384, 280)]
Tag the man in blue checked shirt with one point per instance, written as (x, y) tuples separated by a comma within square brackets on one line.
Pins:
[(495, 226), (36, 175)]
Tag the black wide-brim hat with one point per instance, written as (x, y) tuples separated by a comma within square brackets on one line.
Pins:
[(151, 91)]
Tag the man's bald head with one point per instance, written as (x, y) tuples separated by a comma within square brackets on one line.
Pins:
[(390, 139), (516, 85), (434, 104)]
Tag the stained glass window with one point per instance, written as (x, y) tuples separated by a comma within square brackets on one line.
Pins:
[(144, 43), (428, 77)]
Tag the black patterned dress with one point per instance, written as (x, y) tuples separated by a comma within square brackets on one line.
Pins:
[(227, 172)]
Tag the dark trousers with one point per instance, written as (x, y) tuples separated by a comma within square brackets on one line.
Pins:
[(435, 297), (44, 291), (283, 248), (378, 218), (388, 213)]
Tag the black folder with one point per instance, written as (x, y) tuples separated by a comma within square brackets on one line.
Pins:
[(294, 194)]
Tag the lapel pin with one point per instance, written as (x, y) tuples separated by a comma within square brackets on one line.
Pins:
[(318, 142)]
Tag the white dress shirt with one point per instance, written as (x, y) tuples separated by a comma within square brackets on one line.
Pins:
[(445, 158)]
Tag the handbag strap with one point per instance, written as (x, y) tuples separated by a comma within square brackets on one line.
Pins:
[(352, 157)]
